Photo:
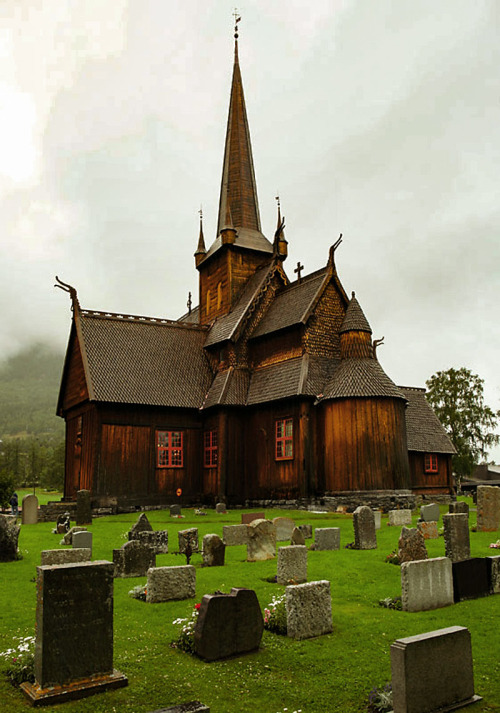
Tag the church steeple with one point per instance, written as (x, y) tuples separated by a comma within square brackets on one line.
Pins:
[(201, 250)]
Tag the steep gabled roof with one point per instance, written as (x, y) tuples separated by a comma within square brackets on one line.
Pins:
[(355, 378), (229, 388), (423, 428)]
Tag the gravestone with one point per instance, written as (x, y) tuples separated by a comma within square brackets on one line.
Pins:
[(488, 508), (30, 510), (433, 671), (429, 513), (168, 583), (74, 633), (63, 524), (213, 551), (307, 531), (411, 545), (248, 517), (83, 508), (191, 707), (429, 530), (493, 564), (377, 514), (82, 539), (297, 537), (363, 520), (228, 625), (460, 506), (261, 540), (50, 557), (156, 540), (292, 564), (234, 535), (188, 538), (471, 579), (9, 535), (68, 537), (175, 511), (327, 538), (308, 610), (426, 584), (220, 508), (284, 528), (142, 525), (133, 559), (398, 518), (456, 536)]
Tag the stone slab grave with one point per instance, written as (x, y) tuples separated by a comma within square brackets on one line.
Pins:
[(398, 518), (261, 540), (80, 554), (488, 508), (377, 514), (365, 536), (284, 528), (456, 536), (83, 507), (213, 551), (292, 564), (175, 511), (471, 579), (9, 536), (433, 672), (74, 633), (30, 510), (188, 540), (82, 539), (429, 530), (297, 537), (411, 545), (307, 531), (429, 513), (228, 625), (308, 610), (426, 584), (142, 525), (133, 559), (220, 508), (191, 707), (168, 583), (248, 517), (327, 538), (68, 536), (156, 540), (493, 564), (235, 535), (459, 506)]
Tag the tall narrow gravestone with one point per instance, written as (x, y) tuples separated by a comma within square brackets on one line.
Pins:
[(488, 508), (30, 510), (74, 633), (456, 536), (83, 508), (365, 537)]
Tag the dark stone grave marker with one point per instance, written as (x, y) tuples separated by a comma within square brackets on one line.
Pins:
[(83, 508), (9, 535), (142, 525), (471, 579)]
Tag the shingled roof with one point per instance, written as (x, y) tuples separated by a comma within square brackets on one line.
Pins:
[(300, 376), (423, 429), (144, 361), (360, 378), (355, 320), (228, 388)]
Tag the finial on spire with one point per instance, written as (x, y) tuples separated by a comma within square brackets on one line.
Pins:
[(201, 250), (237, 18), (353, 295), (280, 244), (190, 301)]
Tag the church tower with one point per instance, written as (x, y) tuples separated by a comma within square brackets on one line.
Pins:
[(240, 247)]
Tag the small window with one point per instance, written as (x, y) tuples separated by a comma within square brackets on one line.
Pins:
[(430, 463), (210, 457), (169, 451), (284, 439), (219, 295)]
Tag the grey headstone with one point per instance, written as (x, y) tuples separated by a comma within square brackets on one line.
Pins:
[(175, 510), (213, 551), (292, 564), (9, 535), (157, 541), (30, 510), (308, 610), (220, 508), (297, 537), (168, 583), (83, 507), (432, 671), (471, 579), (133, 559), (228, 625), (142, 525), (284, 528), (235, 535), (82, 539), (327, 538), (398, 518), (426, 584), (429, 513), (50, 557), (377, 514), (494, 571), (363, 520), (456, 536), (429, 530), (411, 545), (248, 517), (459, 506), (261, 540), (307, 531), (188, 537), (68, 536), (488, 508)]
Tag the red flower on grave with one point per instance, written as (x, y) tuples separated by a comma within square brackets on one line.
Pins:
[(197, 606)]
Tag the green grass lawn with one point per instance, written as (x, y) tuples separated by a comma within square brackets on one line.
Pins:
[(328, 674)]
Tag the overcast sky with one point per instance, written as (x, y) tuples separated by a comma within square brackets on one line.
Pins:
[(380, 120)]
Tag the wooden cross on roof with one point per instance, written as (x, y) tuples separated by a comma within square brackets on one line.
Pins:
[(298, 270)]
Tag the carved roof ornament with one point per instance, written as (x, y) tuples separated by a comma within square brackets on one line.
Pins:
[(331, 257), (75, 305), (280, 246)]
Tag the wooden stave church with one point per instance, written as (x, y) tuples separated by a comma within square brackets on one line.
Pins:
[(269, 390)]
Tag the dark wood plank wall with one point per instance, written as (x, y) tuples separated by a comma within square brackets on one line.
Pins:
[(82, 439), (365, 445), (422, 482), (274, 348), (75, 386)]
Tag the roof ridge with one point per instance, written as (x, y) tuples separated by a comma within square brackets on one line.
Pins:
[(121, 317), (306, 278)]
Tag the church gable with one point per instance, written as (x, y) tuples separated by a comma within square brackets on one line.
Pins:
[(74, 389)]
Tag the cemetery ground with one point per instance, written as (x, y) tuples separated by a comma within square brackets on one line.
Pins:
[(322, 675)]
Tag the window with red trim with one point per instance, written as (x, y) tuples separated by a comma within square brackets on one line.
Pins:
[(430, 463), (210, 449), (284, 439), (169, 451)]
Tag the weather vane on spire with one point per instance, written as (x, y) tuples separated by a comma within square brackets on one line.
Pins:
[(237, 18)]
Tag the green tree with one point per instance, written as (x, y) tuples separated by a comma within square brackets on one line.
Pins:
[(457, 397)]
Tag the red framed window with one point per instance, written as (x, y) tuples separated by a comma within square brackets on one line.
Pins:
[(430, 463), (210, 454), (169, 450), (284, 439)]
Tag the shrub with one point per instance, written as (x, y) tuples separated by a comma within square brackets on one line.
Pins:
[(185, 639), (7, 487), (392, 557), (275, 615), (380, 699), (21, 660)]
